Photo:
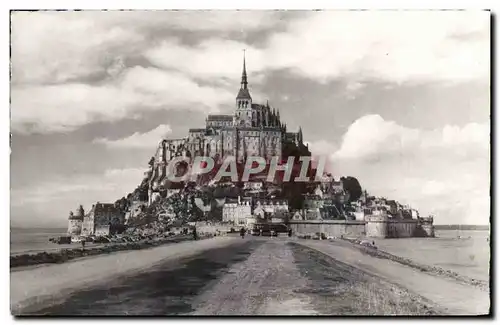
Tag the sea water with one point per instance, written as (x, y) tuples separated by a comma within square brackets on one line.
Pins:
[(33, 240), (466, 252)]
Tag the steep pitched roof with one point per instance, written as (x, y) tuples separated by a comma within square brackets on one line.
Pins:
[(243, 94), (219, 117), (197, 130)]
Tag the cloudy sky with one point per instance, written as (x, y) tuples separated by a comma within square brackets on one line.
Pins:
[(399, 100)]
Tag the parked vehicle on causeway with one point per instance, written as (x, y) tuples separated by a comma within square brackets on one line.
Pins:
[(76, 240), (61, 240), (279, 228), (101, 240), (269, 232), (255, 232), (265, 229), (368, 243)]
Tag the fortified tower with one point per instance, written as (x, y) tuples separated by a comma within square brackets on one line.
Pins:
[(425, 227), (376, 226), (75, 222)]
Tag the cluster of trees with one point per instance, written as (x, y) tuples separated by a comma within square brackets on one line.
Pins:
[(352, 186)]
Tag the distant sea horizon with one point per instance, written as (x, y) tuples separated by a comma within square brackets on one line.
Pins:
[(38, 227), (437, 226), (29, 239), (461, 250)]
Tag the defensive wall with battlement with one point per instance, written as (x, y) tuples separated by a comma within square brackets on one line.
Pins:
[(373, 226)]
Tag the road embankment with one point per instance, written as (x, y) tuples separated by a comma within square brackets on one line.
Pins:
[(37, 286), (338, 288), (284, 278), (438, 271), (231, 276), (67, 254), (454, 297)]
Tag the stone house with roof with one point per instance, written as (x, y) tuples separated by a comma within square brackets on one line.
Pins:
[(103, 219)]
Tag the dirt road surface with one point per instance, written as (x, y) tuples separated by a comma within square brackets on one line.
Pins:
[(254, 276)]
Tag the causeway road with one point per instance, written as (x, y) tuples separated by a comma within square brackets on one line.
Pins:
[(235, 276)]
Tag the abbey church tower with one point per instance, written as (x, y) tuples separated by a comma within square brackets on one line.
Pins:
[(243, 114)]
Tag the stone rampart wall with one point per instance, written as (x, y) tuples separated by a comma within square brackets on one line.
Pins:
[(335, 228)]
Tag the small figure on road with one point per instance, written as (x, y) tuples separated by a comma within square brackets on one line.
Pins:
[(289, 232), (242, 232), (195, 234), (83, 244)]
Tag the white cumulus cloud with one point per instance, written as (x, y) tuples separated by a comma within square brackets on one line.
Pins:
[(396, 46), (371, 136), (443, 171), (138, 140), (54, 69), (65, 107)]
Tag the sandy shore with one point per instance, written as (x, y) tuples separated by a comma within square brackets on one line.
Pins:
[(37, 286), (423, 267), (455, 297)]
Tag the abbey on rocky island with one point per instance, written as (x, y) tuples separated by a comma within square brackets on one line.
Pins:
[(324, 205), (252, 130)]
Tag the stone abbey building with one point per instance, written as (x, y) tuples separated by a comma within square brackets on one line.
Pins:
[(257, 130), (252, 130)]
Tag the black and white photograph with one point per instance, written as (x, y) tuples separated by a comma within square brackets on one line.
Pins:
[(250, 163)]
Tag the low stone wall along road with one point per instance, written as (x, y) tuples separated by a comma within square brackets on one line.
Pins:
[(251, 276)]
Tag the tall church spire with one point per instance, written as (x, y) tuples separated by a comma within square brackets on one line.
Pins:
[(244, 81), (244, 93)]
